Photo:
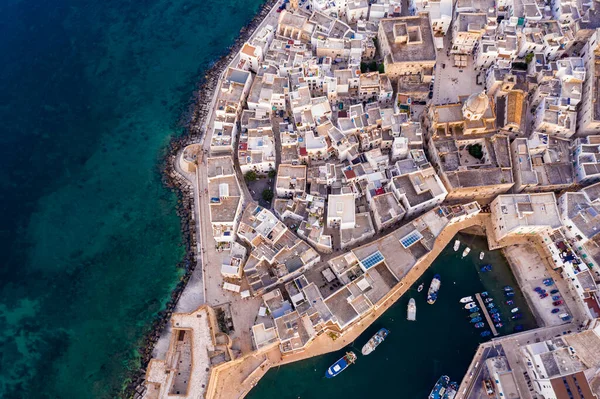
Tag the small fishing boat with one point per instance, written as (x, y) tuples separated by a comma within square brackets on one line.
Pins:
[(514, 310), (341, 365), (375, 340), (490, 306), (466, 299), (518, 327), (488, 300), (494, 311), (484, 294), (510, 302), (474, 315), (509, 294), (485, 333), (486, 268), (516, 316), (498, 325), (411, 311), (476, 320), (456, 245), (470, 305), (479, 325), (451, 391), (466, 252), (420, 288), (508, 288), (434, 287), (481, 255), (496, 316), (475, 309)]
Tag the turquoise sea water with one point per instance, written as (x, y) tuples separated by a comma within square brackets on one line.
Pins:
[(411, 359), (90, 93)]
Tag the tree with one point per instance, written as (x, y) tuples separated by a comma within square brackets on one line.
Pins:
[(272, 173), (529, 58), (381, 68), (475, 150), (250, 176), (372, 66), (363, 67), (267, 195)]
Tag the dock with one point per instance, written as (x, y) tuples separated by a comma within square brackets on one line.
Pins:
[(486, 314)]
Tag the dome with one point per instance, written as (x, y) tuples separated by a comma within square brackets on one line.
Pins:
[(475, 106)]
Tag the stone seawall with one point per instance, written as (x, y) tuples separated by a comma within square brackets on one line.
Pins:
[(193, 121)]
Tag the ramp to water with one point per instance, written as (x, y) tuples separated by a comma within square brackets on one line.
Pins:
[(486, 314)]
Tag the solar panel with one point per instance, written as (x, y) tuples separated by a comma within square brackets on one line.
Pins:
[(372, 260), (411, 238)]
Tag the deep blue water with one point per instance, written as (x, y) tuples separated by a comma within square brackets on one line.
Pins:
[(90, 93)]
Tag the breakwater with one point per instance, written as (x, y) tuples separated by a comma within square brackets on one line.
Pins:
[(193, 122)]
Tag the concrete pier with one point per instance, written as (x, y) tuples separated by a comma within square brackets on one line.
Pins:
[(486, 314)]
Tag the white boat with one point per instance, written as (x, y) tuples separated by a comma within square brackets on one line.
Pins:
[(466, 252), (456, 245), (466, 299), (481, 255), (470, 305), (514, 310), (420, 288), (411, 312)]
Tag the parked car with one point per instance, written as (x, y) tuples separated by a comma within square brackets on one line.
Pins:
[(555, 310), (555, 297), (537, 289), (557, 303), (430, 95), (542, 296), (554, 292)]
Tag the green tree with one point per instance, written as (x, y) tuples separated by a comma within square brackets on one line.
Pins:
[(475, 150), (250, 176), (363, 67), (372, 66), (272, 173), (267, 195), (381, 68), (529, 58)]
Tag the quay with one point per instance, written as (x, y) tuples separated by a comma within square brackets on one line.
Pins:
[(486, 314)]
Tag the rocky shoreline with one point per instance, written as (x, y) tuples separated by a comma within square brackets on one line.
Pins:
[(194, 131)]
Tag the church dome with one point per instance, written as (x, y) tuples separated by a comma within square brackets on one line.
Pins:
[(475, 106)]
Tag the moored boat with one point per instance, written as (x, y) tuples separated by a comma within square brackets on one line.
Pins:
[(510, 302), (514, 310), (451, 391), (498, 325), (508, 288), (411, 311), (509, 293), (374, 342), (490, 306), (486, 268), (488, 300), (474, 315), (484, 294), (481, 255), (466, 252), (516, 316), (470, 305), (420, 288), (479, 325), (485, 333), (476, 320), (439, 389), (466, 299), (456, 245), (475, 309), (341, 365), (434, 287)]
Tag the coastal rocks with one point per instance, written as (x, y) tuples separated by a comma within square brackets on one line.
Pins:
[(194, 120)]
